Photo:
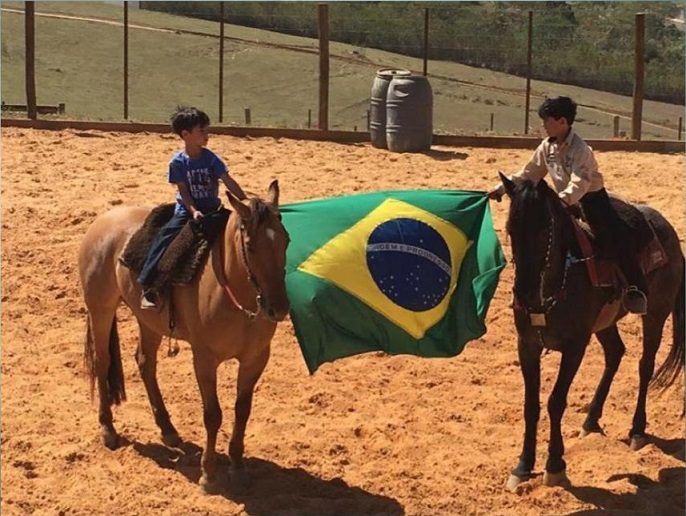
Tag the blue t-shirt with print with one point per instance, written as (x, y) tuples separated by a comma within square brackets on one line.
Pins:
[(201, 176)]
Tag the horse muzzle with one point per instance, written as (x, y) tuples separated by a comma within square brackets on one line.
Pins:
[(276, 312)]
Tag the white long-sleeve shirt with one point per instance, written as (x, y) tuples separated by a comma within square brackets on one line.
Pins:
[(571, 166)]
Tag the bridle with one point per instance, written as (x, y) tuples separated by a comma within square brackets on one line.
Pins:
[(251, 277), (537, 314)]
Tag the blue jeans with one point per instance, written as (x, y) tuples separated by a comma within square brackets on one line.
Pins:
[(159, 246)]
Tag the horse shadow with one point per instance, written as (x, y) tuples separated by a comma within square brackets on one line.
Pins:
[(442, 155), (666, 496), (274, 489)]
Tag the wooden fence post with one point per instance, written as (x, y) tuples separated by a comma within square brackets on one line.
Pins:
[(30, 64), (492, 122), (638, 77), (426, 40), (248, 118), (323, 66), (615, 127), (126, 60), (529, 50), (221, 61), (681, 121)]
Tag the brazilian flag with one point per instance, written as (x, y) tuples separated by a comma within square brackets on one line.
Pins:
[(404, 272)]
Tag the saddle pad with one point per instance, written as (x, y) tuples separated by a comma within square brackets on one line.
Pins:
[(603, 272)]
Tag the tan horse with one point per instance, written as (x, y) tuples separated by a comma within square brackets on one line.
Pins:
[(229, 311)]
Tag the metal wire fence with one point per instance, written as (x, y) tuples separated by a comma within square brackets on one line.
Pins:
[(476, 56)]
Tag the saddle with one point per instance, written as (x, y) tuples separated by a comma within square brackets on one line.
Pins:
[(604, 272), (184, 256)]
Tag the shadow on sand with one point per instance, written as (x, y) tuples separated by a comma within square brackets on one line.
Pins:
[(274, 489), (442, 155), (662, 498)]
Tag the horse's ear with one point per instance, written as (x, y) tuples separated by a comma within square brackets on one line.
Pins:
[(507, 183), (274, 192), (240, 208)]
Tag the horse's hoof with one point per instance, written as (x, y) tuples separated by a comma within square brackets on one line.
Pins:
[(513, 483), (638, 442), (555, 479), (171, 440), (240, 478), (110, 439), (208, 485)]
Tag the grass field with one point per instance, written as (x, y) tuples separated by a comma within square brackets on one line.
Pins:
[(80, 63)]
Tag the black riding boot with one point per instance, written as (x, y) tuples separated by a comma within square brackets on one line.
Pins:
[(616, 236)]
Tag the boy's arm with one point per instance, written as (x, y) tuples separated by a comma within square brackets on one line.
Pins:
[(188, 201), (534, 170), (233, 187)]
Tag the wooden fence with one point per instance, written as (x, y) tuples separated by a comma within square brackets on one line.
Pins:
[(323, 21)]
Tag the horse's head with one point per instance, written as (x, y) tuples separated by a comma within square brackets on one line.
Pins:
[(535, 224), (264, 240)]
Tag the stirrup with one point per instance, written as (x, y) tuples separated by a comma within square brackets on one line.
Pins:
[(635, 301)]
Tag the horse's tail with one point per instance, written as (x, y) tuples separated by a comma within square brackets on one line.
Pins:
[(670, 370), (115, 372)]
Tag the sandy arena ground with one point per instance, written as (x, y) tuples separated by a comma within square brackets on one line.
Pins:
[(366, 435)]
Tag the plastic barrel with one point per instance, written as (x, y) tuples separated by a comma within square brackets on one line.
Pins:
[(409, 114), (377, 107)]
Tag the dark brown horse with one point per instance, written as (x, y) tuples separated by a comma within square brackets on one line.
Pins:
[(229, 311), (556, 307)]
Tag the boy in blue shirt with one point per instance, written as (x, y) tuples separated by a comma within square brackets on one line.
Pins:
[(196, 172)]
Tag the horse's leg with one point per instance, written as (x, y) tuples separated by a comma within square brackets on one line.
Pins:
[(249, 373), (530, 364), (652, 335), (206, 373), (614, 349), (555, 467), (146, 358), (101, 325)]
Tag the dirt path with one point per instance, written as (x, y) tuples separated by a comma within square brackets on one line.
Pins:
[(366, 435)]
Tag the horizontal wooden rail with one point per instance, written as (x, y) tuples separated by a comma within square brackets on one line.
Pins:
[(497, 142), (46, 110)]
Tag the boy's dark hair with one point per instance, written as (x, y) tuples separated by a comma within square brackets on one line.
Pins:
[(558, 107), (187, 118)]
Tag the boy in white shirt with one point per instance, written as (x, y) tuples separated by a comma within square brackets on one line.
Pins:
[(574, 172)]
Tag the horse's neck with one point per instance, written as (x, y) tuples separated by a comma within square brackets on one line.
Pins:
[(550, 276)]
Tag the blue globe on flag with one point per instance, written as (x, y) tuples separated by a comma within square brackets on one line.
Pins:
[(410, 263)]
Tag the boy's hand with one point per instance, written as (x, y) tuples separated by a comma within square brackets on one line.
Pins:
[(495, 195), (197, 215)]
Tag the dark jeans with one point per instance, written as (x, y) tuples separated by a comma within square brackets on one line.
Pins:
[(159, 246), (615, 237)]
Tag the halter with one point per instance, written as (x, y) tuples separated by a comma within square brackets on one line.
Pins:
[(251, 277)]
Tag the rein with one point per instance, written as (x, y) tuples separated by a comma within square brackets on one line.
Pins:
[(251, 277)]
